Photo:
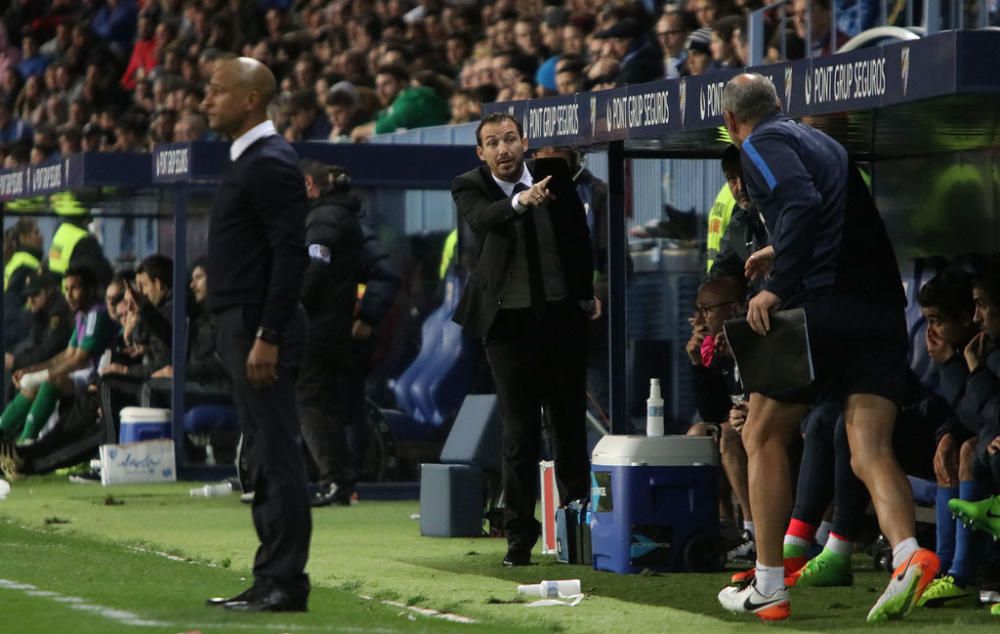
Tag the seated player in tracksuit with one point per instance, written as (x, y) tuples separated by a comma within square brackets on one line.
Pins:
[(947, 305), (42, 385), (982, 396)]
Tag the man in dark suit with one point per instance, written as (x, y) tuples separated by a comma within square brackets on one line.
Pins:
[(256, 261), (529, 297)]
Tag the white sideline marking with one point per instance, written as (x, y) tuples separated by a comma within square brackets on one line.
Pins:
[(129, 618), (77, 603), (446, 616)]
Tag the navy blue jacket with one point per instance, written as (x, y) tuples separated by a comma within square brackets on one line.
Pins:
[(825, 229), (257, 238)]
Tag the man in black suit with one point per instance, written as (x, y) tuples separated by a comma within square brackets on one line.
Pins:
[(256, 261), (529, 297)]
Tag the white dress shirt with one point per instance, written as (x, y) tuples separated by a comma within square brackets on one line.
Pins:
[(248, 138)]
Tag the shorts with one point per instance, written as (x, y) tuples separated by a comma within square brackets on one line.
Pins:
[(858, 347)]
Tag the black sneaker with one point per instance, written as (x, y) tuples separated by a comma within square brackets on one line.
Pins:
[(744, 550), (90, 477), (333, 495)]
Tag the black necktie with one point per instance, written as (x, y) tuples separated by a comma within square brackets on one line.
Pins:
[(535, 283)]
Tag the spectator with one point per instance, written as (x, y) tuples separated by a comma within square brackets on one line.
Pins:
[(190, 128), (784, 46), (574, 40), (723, 52), (307, 123), (60, 44), (12, 129), (9, 54), (344, 112), (144, 54), (628, 43), (822, 21), (672, 30), (115, 23), (32, 61), (569, 76), (70, 140), (130, 132), (407, 105), (699, 53)]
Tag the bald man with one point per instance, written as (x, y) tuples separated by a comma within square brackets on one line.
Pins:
[(830, 255), (256, 262)]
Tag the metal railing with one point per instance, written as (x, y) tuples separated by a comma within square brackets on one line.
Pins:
[(935, 15)]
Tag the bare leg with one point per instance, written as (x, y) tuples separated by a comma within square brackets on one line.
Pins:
[(769, 427), (870, 419)]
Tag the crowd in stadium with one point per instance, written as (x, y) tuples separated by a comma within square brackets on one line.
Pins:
[(123, 75)]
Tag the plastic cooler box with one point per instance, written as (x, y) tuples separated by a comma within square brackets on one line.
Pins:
[(144, 423), (654, 504)]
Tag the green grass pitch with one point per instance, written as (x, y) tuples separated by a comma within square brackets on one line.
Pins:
[(82, 559)]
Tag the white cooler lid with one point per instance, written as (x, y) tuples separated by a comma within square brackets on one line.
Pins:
[(655, 451), (134, 415)]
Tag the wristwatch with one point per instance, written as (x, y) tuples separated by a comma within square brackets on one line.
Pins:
[(268, 335)]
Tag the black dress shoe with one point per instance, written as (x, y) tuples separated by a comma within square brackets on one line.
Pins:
[(273, 601), (247, 595), (517, 558)]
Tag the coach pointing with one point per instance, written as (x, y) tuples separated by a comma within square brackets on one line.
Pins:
[(529, 297), (256, 260)]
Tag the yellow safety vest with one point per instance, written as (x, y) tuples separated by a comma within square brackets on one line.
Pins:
[(718, 221), (63, 243), (448, 253), (19, 259)]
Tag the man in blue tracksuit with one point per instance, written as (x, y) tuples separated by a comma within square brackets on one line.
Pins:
[(830, 255)]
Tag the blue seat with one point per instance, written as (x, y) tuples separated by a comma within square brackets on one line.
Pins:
[(433, 387), (205, 419)]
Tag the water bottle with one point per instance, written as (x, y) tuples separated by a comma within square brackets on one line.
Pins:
[(212, 490), (551, 589), (654, 409)]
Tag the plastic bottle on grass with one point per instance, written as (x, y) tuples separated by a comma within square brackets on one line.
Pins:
[(551, 589), (654, 409), (212, 490)]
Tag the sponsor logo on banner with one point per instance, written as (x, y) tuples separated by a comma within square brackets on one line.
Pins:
[(710, 100), (788, 87), (683, 95), (552, 121), (46, 178), (904, 66), (636, 111), (172, 162), (593, 114), (862, 79), (12, 183)]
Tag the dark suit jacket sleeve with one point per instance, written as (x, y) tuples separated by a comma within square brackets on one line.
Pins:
[(279, 198), (480, 210)]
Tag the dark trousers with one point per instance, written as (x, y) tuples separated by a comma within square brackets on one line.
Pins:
[(826, 474), (540, 362), (323, 392), (269, 420)]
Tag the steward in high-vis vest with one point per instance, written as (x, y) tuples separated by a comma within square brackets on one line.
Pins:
[(23, 242), (718, 221), (72, 245), (25, 247)]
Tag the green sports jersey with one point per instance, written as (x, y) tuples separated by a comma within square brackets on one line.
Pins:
[(92, 331)]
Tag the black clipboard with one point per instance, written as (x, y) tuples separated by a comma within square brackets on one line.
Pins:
[(779, 361)]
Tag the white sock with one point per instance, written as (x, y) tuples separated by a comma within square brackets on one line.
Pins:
[(903, 550), (769, 579), (748, 527), (823, 532), (839, 545)]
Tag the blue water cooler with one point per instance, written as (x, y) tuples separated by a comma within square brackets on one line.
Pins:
[(654, 504), (144, 423)]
